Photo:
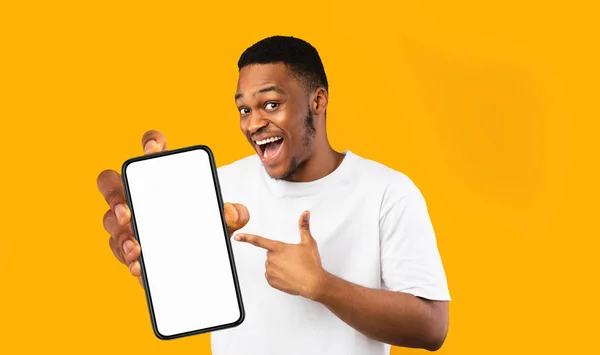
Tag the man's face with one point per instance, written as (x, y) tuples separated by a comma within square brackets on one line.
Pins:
[(275, 117)]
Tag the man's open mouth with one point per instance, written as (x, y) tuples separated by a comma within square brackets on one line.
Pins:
[(269, 147)]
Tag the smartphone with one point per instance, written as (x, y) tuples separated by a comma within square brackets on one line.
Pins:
[(186, 259)]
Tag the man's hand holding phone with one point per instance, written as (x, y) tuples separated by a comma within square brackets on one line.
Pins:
[(117, 220)]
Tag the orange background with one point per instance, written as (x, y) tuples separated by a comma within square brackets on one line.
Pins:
[(490, 107)]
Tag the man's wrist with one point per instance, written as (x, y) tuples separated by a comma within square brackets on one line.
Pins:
[(323, 283)]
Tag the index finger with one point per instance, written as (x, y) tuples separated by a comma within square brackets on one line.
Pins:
[(153, 142), (111, 187), (258, 241)]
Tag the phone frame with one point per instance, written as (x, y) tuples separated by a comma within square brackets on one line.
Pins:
[(226, 236)]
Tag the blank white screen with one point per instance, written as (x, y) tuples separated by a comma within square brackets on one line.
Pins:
[(183, 242)]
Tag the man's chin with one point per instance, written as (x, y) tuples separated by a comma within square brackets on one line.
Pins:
[(274, 172), (277, 172)]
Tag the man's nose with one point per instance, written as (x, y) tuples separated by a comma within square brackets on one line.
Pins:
[(255, 122)]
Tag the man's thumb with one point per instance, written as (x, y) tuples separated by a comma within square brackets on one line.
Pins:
[(236, 216), (304, 225)]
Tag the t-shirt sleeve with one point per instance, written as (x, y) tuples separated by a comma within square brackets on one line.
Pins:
[(410, 259)]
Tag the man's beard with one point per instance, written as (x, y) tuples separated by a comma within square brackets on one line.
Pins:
[(307, 139)]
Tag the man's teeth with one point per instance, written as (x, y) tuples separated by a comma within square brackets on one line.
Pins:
[(268, 140), (265, 141)]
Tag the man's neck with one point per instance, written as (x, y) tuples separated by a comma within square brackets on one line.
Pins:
[(322, 163)]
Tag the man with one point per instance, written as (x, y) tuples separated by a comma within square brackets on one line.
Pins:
[(336, 253)]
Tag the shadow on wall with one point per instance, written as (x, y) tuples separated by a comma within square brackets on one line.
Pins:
[(488, 120)]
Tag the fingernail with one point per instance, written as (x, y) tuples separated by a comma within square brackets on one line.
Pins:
[(150, 145), (307, 216), (120, 212), (128, 246), (237, 237)]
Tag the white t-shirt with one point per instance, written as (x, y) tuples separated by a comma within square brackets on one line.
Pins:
[(372, 228)]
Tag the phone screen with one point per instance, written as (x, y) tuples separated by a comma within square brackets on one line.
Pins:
[(186, 259)]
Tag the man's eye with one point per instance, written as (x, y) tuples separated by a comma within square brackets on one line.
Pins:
[(244, 111), (271, 105)]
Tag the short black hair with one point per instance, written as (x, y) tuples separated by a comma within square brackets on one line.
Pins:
[(297, 54)]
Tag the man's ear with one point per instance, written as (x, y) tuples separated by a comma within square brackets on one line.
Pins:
[(320, 101)]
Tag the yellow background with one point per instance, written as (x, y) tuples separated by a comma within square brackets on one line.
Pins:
[(490, 107)]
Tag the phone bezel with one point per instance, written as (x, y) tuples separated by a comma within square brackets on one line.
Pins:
[(226, 235)]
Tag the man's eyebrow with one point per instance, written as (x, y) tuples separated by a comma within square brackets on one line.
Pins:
[(275, 88)]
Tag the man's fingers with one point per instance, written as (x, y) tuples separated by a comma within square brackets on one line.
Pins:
[(113, 226), (135, 269), (260, 242), (111, 187), (116, 250), (122, 235), (131, 260), (153, 142), (131, 250), (236, 216)]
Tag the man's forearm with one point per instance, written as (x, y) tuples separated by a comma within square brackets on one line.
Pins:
[(394, 318)]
